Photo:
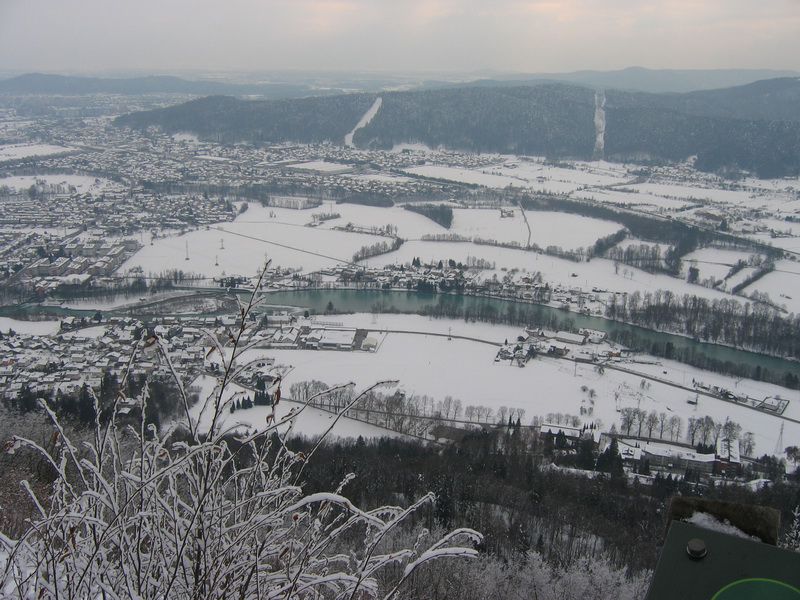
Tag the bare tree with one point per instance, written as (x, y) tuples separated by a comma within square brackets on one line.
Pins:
[(137, 513), (662, 424), (747, 444), (651, 421), (627, 419), (641, 418), (675, 427)]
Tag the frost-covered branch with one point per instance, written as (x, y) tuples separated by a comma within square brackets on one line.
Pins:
[(135, 513)]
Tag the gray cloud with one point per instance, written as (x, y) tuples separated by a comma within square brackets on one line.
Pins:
[(392, 35)]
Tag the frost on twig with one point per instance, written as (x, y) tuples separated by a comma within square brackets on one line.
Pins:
[(135, 514)]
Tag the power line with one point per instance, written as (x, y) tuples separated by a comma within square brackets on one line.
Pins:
[(312, 253)]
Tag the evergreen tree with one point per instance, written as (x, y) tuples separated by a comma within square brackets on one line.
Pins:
[(85, 405), (26, 399), (585, 458), (610, 460)]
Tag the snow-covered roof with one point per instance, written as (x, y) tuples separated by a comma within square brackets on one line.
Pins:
[(338, 337), (676, 452)]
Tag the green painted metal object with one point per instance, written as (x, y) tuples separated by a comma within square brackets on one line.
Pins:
[(701, 564)]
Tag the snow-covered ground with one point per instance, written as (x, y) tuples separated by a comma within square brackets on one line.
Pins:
[(322, 166), (82, 183), (547, 228), (410, 225), (365, 120), (466, 176), (633, 199), (438, 367), (309, 248), (739, 277), (311, 422), (567, 230), (526, 173), (18, 151), (782, 286), (87, 333), (30, 327), (663, 248), (786, 243), (688, 192), (714, 262)]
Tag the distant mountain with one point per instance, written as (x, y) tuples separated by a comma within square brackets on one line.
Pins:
[(771, 100), (548, 119), (38, 83), (754, 127), (647, 80)]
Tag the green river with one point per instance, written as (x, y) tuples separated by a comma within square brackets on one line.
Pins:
[(351, 300)]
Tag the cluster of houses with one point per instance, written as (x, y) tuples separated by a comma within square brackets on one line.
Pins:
[(676, 458), (112, 207), (40, 246), (19, 248), (75, 261), (83, 350), (287, 333), (587, 345), (164, 159), (64, 362), (668, 458)]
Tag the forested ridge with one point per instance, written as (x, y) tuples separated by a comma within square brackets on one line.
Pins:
[(226, 119), (725, 129)]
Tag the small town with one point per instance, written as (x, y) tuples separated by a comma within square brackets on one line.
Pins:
[(418, 300)]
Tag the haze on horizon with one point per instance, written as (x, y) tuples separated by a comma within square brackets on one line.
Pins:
[(92, 36)]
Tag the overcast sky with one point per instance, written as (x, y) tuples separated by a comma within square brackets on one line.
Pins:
[(397, 35)]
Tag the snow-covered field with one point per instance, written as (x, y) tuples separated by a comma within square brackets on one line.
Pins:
[(30, 327), (18, 151), (695, 193), (311, 422), (567, 230), (87, 333), (580, 173), (467, 176), (82, 183), (322, 166), (739, 277), (639, 200), (488, 224), (517, 172), (714, 262), (664, 248), (786, 243), (410, 225), (782, 286), (547, 228), (243, 255), (438, 367), (311, 248)]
